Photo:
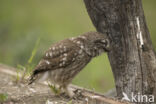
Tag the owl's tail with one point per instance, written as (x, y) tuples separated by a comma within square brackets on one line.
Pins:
[(38, 76), (31, 79)]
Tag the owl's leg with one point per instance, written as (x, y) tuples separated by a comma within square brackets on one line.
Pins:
[(69, 92)]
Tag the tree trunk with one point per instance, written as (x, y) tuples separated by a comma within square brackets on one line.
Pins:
[(132, 57)]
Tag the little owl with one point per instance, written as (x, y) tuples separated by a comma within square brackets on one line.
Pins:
[(65, 59)]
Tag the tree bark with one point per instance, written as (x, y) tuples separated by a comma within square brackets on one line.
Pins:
[(132, 57)]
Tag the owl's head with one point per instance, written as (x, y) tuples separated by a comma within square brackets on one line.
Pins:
[(99, 43)]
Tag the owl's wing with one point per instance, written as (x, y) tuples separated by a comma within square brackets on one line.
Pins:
[(59, 55)]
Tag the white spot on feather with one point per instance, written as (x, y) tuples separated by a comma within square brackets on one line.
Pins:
[(72, 38), (47, 54), (60, 64), (47, 62), (51, 54), (82, 47), (65, 54), (104, 41), (78, 42), (53, 48), (83, 37), (63, 62), (64, 59), (65, 49)]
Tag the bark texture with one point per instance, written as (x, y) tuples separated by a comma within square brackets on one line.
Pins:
[(132, 58)]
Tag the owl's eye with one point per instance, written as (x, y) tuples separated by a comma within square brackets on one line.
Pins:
[(101, 42), (104, 42)]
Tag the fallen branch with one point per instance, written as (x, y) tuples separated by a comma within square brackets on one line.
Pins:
[(41, 94)]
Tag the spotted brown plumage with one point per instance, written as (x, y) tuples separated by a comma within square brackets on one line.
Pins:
[(65, 59)]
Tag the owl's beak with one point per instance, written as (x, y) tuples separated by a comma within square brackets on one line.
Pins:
[(107, 46), (107, 49)]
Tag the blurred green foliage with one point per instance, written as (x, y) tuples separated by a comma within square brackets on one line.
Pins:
[(22, 22), (3, 97)]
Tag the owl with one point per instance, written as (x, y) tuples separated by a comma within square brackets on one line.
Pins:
[(65, 59)]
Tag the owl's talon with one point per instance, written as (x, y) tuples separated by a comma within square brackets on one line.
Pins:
[(63, 94), (71, 94), (78, 92)]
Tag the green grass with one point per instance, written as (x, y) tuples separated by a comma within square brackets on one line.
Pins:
[(23, 22), (28, 67), (3, 97), (54, 89), (69, 102)]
